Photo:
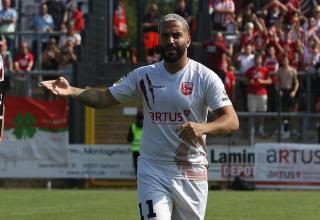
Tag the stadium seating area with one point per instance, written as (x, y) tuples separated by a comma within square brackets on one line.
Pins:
[(48, 42)]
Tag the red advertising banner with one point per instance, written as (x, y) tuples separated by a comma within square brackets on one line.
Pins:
[(41, 113)]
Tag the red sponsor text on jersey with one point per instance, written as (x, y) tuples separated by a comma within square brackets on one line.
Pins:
[(157, 117)]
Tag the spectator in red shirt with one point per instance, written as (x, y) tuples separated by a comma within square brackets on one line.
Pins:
[(248, 37), (273, 40), (23, 59), (271, 61), (218, 54), (230, 82), (121, 48), (76, 16), (257, 81), (293, 7), (288, 44), (252, 36), (23, 63)]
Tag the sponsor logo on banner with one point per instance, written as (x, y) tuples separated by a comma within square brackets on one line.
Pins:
[(287, 165), (233, 170), (84, 161), (226, 163)]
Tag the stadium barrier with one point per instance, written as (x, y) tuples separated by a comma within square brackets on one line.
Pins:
[(268, 165)]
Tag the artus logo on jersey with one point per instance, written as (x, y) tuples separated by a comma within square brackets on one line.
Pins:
[(186, 88), (172, 117)]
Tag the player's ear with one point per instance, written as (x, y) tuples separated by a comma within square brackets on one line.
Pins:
[(188, 40)]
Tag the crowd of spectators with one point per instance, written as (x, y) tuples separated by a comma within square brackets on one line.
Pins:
[(275, 42), (59, 26), (262, 52), (278, 30)]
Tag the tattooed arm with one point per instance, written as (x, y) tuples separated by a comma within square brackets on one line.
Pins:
[(91, 97), (94, 98)]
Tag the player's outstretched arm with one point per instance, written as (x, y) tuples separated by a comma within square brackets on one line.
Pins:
[(91, 97)]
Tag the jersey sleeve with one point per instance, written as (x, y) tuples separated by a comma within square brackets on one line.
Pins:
[(215, 93), (126, 88)]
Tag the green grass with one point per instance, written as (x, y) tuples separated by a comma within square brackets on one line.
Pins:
[(122, 205)]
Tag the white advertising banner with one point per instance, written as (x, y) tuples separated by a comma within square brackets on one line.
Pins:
[(84, 161), (115, 162), (227, 162), (287, 165)]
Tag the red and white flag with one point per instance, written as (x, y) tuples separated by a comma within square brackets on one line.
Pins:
[(35, 130)]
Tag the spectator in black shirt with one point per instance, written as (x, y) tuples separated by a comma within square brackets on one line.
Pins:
[(183, 11), (58, 10), (150, 34)]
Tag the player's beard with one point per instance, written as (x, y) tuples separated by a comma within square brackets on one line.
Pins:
[(173, 56)]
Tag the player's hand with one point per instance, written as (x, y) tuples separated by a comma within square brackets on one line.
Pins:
[(191, 132), (58, 87)]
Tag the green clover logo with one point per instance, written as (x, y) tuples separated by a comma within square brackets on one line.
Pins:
[(24, 126)]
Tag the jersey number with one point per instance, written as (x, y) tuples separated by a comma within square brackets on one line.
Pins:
[(150, 207)]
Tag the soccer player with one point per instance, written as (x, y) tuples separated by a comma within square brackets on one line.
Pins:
[(176, 93)]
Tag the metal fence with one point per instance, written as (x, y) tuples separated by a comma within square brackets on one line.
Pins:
[(36, 75), (302, 126), (306, 119)]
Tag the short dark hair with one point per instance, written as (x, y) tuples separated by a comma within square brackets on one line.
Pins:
[(174, 17)]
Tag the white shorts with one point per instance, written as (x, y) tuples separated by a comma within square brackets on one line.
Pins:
[(166, 198), (257, 103)]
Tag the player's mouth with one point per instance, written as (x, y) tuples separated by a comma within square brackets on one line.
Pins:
[(171, 49)]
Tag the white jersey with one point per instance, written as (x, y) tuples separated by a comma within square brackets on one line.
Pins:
[(169, 100)]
